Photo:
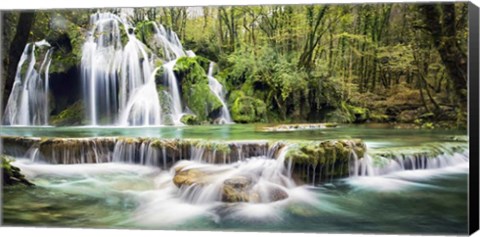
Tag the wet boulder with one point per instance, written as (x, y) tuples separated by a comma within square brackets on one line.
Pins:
[(324, 160), (195, 90), (240, 189), (276, 194), (12, 174), (187, 177), (237, 189)]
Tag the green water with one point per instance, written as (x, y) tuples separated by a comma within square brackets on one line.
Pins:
[(429, 203), (380, 134)]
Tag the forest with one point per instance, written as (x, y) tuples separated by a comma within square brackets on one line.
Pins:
[(375, 63)]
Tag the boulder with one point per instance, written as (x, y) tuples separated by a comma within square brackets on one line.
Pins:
[(195, 90), (12, 174), (187, 177), (238, 189)]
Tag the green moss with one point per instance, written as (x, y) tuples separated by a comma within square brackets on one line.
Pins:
[(328, 152), (195, 90), (68, 48), (248, 110), (73, 115), (145, 31)]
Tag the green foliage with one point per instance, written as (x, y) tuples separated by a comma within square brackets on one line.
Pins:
[(340, 63), (248, 110), (189, 119)]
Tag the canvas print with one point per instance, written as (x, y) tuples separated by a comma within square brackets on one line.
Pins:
[(325, 118)]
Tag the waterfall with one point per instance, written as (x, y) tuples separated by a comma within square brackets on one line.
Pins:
[(174, 93), (219, 91), (28, 101), (381, 163), (168, 40), (119, 83), (257, 180), (100, 67), (144, 106), (118, 78)]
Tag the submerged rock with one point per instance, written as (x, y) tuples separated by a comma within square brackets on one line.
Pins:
[(298, 126)]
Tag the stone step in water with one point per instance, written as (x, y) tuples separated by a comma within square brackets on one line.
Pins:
[(308, 162)]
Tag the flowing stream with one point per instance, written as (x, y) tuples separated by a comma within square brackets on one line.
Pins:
[(388, 190)]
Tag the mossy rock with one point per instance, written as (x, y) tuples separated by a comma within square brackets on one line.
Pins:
[(68, 44), (248, 110), (72, 115), (328, 152), (145, 31), (189, 119), (195, 90), (12, 174)]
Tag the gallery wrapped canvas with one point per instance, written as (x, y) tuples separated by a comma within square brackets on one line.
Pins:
[(318, 118)]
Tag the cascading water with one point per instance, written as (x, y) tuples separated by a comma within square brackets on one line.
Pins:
[(381, 164), (168, 40), (144, 106), (260, 175), (28, 102), (119, 82), (219, 91), (100, 66), (174, 94)]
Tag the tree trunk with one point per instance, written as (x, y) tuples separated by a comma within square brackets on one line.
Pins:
[(444, 34)]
